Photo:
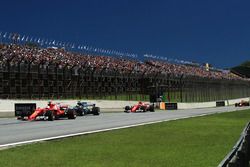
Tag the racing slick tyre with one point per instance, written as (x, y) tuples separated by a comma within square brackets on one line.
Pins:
[(143, 109), (50, 115), (127, 108), (96, 110), (80, 112), (151, 108), (71, 114)]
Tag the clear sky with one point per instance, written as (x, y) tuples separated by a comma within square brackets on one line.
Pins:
[(214, 31)]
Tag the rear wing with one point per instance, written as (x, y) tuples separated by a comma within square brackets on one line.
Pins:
[(24, 109), (85, 104)]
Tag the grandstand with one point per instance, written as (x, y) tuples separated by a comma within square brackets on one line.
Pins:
[(32, 71), (242, 70)]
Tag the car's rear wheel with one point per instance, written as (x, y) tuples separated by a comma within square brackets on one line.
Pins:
[(151, 108), (80, 112), (96, 110)]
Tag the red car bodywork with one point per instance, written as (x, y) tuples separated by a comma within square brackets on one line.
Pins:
[(141, 107), (57, 111), (242, 103)]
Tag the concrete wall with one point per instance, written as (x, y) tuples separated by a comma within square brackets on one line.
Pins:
[(196, 105), (7, 106), (209, 104)]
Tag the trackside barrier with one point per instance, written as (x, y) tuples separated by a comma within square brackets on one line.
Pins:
[(240, 155), (171, 106), (168, 106), (162, 106), (7, 105), (24, 109), (220, 103)]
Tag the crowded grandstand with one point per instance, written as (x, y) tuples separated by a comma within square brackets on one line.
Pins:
[(49, 69), (16, 54)]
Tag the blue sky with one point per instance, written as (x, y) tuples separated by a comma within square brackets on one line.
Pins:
[(214, 31)]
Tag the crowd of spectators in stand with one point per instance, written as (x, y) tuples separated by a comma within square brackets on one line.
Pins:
[(15, 54), (189, 70)]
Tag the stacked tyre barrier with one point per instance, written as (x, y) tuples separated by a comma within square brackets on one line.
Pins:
[(240, 155)]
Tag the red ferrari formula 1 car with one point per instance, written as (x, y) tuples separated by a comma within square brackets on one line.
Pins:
[(50, 112), (140, 107), (242, 103)]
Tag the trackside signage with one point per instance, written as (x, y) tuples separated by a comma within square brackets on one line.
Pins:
[(24, 109), (220, 103), (171, 106)]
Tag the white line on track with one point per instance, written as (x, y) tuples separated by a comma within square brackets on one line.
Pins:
[(95, 131)]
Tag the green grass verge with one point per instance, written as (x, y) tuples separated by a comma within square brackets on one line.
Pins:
[(195, 142)]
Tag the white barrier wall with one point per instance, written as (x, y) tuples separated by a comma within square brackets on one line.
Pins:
[(196, 105), (8, 105), (209, 104)]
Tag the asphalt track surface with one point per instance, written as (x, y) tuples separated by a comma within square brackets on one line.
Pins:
[(16, 132)]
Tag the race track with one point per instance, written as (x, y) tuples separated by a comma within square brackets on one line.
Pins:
[(15, 132)]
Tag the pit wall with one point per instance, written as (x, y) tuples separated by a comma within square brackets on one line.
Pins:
[(7, 106)]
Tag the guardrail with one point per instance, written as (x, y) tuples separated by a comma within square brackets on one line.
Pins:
[(240, 155)]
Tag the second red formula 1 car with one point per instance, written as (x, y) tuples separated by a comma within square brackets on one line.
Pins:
[(140, 107), (242, 103), (50, 112)]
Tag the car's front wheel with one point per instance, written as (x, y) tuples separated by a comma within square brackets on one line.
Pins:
[(50, 115), (71, 114)]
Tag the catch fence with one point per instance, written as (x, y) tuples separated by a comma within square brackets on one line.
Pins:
[(26, 80)]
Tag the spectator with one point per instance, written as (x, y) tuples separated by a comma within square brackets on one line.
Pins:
[(15, 54)]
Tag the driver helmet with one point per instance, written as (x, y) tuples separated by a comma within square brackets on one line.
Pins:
[(49, 103)]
